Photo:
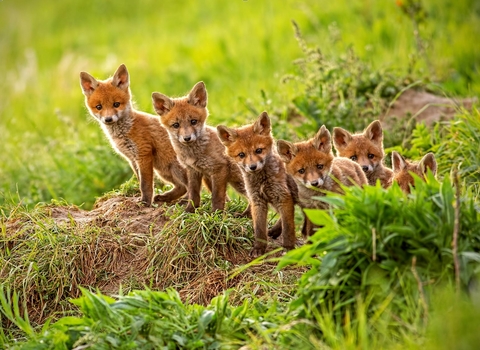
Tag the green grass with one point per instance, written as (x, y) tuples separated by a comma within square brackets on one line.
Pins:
[(52, 149)]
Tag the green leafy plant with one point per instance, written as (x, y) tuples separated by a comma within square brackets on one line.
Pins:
[(387, 249)]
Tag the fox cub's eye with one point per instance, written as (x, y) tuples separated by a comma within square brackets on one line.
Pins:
[(116, 104), (99, 107), (302, 171), (241, 155), (258, 151), (354, 158), (319, 166), (193, 122), (370, 156), (175, 125)]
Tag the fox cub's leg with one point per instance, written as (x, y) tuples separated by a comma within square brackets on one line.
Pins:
[(194, 187), (145, 169), (308, 227), (287, 215), (219, 190), (276, 230), (176, 175), (259, 215)]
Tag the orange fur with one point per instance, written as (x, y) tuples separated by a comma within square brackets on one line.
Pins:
[(266, 180), (403, 168), (198, 147), (315, 170), (135, 135), (365, 149)]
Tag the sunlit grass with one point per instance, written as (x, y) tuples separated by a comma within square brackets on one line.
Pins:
[(52, 149)]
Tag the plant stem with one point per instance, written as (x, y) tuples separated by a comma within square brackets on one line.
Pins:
[(456, 230)]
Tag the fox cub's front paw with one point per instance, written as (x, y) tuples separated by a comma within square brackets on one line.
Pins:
[(190, 208), (145, 202), (258, 250)]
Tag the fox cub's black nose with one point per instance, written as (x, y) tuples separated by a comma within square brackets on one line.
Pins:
[(314, 183), (187, 138), (109, 119), (253, 166), (364, 168)]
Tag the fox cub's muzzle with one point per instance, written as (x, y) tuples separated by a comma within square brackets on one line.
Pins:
[(108, 120), (253, 167), (187, 138)]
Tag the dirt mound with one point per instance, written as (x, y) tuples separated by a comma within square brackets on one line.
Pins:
[(425, 107), (48, 253), (124, 214)]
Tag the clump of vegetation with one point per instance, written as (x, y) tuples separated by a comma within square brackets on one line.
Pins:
[(388, 250), (342, 91)]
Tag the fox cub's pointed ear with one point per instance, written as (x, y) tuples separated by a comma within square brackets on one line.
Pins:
[(374, 132), (198, 96), (322, 140), (162, 103), (87, 83), (341, 138), (398, 162), (428, 162), (286, 150), (262, 125), (226, 135), (120, 78)]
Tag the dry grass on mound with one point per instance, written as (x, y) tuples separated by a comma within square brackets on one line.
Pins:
[(48, 252)]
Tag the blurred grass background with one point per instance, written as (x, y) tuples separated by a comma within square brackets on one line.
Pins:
[(51, 148)]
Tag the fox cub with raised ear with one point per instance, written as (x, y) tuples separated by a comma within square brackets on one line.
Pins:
[(403, 168), (315, 170), (135, 135), (365, 149), (198, 147), (267, 182)]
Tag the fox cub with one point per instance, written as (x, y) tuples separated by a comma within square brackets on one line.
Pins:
[(365, 149), (135, 135), (267, 182), (198, 147), (402, 169), (315, 170)]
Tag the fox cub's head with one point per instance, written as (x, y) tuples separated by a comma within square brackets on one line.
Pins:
[(251, 145), (366, 149), (402, 169), (108, 100), (308, 162), (184, 117)]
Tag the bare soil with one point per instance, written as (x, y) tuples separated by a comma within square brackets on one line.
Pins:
[(425, 107)]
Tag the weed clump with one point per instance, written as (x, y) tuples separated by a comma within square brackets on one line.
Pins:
[(388, 251), (341, 91)]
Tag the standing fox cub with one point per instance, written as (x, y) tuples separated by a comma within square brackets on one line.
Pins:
[(198, 147), (135, 135), (365, 149), (267, 182), (315, 170), (402, 169)]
